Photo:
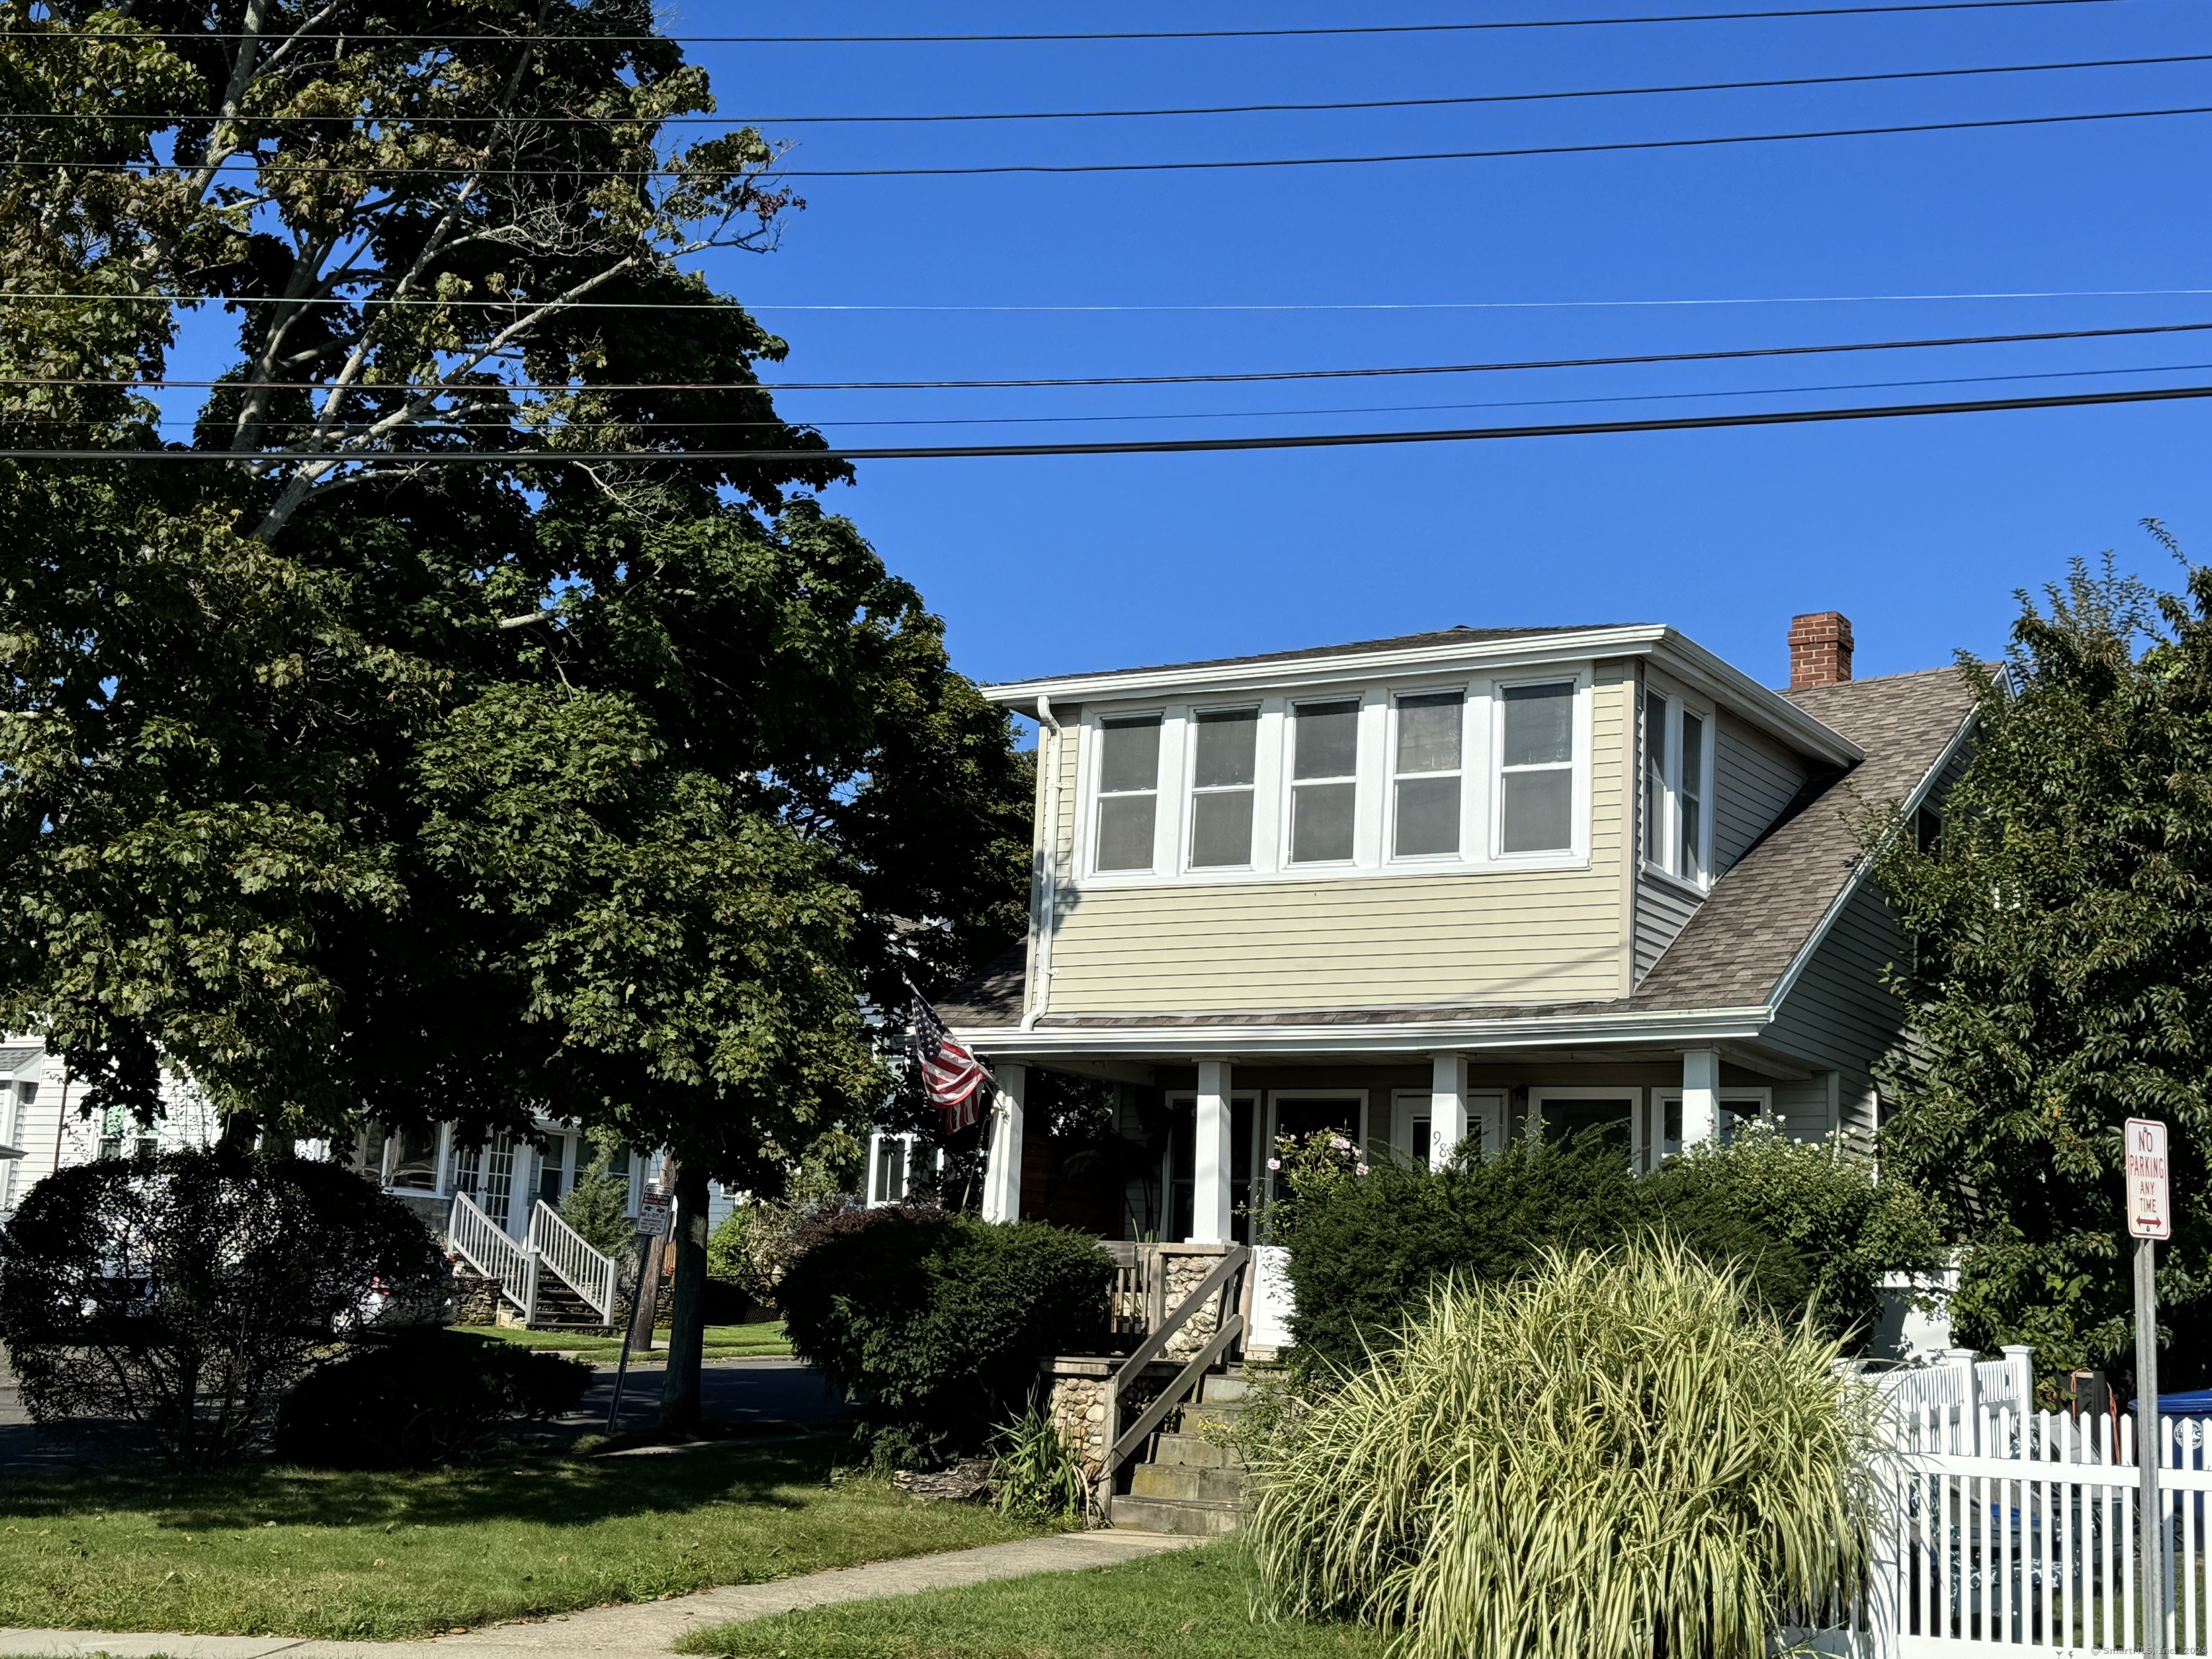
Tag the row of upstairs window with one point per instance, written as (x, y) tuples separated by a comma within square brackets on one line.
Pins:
[(1432, 810)]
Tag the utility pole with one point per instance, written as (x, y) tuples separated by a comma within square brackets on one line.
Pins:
[(2148, 1221)]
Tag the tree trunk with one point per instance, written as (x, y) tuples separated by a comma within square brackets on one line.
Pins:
[(687, 1334)]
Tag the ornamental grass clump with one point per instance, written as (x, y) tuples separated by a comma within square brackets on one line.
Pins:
[(1620, 1454)]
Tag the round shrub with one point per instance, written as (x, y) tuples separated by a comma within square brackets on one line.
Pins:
[(1613, 1456), (934, 1324), (180, 1297), (422, 1398)]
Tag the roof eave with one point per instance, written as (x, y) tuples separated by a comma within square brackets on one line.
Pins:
[(1398, 1037), (1681, 656)]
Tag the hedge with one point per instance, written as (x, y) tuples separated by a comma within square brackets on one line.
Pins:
[(934, 1324)]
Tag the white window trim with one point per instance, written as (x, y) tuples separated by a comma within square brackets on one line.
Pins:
[(1576, 851), (1187, 814), (1468, 801), (1662, 835), (1166, 814), (1656, 1132), (1360, 778), (1630, 1097), (909, 1139), (1374, 799)]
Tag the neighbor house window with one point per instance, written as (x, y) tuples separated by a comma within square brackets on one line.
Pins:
[(1427, 804), (1690, 836), (1323, 789), (1224, 767), (1536, 769), (1128, 791), (1654, 778)]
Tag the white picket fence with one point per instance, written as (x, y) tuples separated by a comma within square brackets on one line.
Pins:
[(552, 1242), (2005, 1529)]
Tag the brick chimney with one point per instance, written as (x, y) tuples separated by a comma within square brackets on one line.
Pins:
[(1819, 649)]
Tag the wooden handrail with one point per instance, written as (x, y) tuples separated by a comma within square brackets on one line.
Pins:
[(1224, 1279), (1155, 1346)]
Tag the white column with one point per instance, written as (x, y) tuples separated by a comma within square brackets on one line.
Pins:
[(1447, 1107), (1002, 1179), (1211, 1165), (1701, 1104)]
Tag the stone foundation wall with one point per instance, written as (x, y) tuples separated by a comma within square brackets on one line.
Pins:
[(476, 1299), (1077, 1404), (1183, 1273)]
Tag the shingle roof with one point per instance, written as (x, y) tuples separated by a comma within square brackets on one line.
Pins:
[(1745, 935), (1736, 949), (1456, 635)]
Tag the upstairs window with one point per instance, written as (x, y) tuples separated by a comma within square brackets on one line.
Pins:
[(1536, 769), (1677, 765), (1654, 779), (1129, 792), (1224, 767), (1428, 775), (1690, 838), (1324, 787)]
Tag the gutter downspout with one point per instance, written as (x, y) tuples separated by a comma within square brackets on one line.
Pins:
[(1048, 911)]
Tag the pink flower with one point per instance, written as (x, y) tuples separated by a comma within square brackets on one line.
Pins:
[(1339, 1142), (1359, 1168), (1274, 1164)]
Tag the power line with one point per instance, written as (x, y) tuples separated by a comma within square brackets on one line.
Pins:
[(278, 169), (1128, 114), (1118, 34), (440, 428), (1821, 349), (1160, 445), (31, 295)]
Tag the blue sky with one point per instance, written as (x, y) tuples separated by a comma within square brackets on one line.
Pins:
[(1920, 531)]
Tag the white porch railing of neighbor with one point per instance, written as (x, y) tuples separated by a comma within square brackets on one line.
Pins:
[(575, 1263), (485, 1247), (2012, 1530)]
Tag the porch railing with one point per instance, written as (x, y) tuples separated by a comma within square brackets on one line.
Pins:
[(583, 1269), (1137, 1301), (482, 1243), (1226, 1281)]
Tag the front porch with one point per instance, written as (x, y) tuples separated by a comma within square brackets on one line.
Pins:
[(1186, 1160)]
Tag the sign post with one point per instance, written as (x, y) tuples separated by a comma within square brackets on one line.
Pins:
[(2149, 1219), (652, 1228)]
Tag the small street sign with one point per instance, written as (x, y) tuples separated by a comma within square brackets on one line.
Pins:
[(2149, 1209), (652, 1207)]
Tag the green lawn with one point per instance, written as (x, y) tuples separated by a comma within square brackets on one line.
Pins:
[(1192, 1604), (293, 1552), (722, 1341)]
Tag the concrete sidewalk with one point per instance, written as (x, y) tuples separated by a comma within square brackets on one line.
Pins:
[(644, 1628)]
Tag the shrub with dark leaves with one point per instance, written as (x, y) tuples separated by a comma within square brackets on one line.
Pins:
[(177, 1298), (934, 1323), (419, 1398)]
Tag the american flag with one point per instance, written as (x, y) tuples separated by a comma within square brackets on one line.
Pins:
[(952, 1076)]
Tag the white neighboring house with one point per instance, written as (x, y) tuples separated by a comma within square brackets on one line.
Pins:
[(41, 1132)]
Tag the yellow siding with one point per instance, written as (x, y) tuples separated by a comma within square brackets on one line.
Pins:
[(1511, 936)]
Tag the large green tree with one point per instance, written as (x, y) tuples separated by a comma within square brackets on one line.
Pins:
[(621, 792), (2062, 970)]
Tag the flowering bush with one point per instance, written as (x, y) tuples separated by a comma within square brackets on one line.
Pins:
[(1308, 1171)]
